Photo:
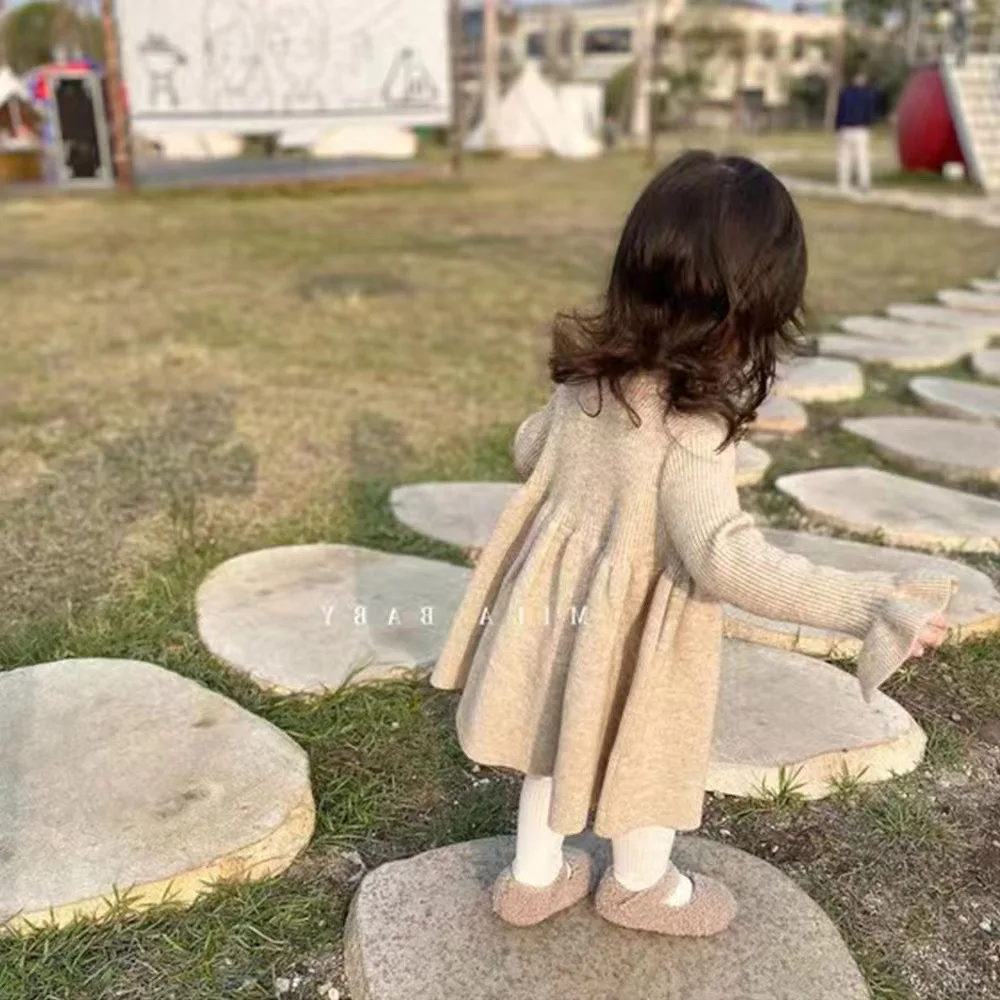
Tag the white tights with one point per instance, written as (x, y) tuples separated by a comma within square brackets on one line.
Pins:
[(641, 857)]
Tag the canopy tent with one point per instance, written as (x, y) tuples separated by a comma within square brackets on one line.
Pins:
[(535, 118)]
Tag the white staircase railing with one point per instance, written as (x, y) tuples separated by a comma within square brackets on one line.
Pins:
[(972, 80)]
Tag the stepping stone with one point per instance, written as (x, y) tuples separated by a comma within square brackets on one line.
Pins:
[(462, 514), (785, 713), (903, 511), (752, 464), (780, 415), (990, 286), (974, 610), (931, 315), (957, 449), (424, 928), (955, 398), (466, 514), (881, 328), (907, 355), (120, 777), (963, 298), (986, 364), (311, 618), (820, 380)]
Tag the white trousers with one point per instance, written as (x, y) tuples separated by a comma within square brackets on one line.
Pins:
[(641, 857), (854, 158)]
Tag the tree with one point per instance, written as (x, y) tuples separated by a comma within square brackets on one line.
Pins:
[(32, 33)]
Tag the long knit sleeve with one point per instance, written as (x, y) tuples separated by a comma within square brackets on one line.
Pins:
[(728, 558), (530, 440)]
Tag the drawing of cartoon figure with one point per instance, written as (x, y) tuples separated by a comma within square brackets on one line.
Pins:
[(162, 59), (298, 41), (355, 75), (235, 79), (409, 84)]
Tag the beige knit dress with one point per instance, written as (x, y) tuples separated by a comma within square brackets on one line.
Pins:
[(588, 643)]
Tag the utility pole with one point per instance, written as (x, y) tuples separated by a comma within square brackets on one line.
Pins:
[(457, 69), (491, 73), (836, 76), (116, 98), (655, 100), (643, 69)]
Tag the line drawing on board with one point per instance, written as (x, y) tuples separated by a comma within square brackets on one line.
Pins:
[(235, 78), (162, 58), (409, 84), (298, 43)]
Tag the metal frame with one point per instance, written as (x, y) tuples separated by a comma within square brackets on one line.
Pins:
[(106, 176)]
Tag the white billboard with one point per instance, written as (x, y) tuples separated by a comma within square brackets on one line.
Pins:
[(262, 66)]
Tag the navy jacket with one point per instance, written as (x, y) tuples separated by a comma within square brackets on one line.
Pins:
[(857, 107)]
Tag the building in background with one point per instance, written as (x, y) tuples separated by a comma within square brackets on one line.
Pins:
[(740, 51)]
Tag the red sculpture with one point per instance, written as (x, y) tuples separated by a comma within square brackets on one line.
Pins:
[(925, 130)]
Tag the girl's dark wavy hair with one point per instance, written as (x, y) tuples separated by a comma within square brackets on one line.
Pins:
[(706, 291)]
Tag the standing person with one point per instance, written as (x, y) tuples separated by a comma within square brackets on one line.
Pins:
[(589, 641), (857, 109), (963, 12)]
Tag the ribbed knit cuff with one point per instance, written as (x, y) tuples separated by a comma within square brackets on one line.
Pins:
[(918, 598)]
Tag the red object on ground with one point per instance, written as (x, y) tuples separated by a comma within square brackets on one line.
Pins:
[(925, 131)]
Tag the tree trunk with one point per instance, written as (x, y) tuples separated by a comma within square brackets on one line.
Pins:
[(491, 73), (643, 64), (116, 98)]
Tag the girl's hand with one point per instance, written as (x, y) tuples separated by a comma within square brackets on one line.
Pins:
[(931, 637)]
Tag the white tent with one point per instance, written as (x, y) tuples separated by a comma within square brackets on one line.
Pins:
[(371, 141), (11, 87), (180, 145), (535, 118)]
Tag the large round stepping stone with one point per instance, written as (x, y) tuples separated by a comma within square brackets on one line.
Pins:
[(931, 315), (903, 511), (311, 618), (424, 928), (752, 464), (907, 355), (986, 364), (882, 328), (991, 286), (786, 716), (974, 610), (121, 778), (963, 298), (466, 514), (957, 449), (955, 398), (820, 380), (780, 415)]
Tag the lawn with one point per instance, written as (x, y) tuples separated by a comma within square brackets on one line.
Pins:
[(191, 376)]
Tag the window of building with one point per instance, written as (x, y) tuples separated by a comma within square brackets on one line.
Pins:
[(535, 45), (767, 45), (607, 41), (798, 48)]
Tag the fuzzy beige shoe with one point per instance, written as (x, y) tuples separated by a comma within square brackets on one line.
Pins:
[(526, 905), (710, 911)]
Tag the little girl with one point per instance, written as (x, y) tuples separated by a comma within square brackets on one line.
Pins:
[(589, 641)]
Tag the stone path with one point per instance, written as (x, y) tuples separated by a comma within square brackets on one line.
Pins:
[(963, 298), (906, 355), (423, 928), (956, 449), (311, 618), (990, 286), (983, 211), (974, 610), (904, 511), (780, 415), (986, 364), (121, 776), (785, 712), (955, 398), (885, 329), (820, 380), (931, 315)]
